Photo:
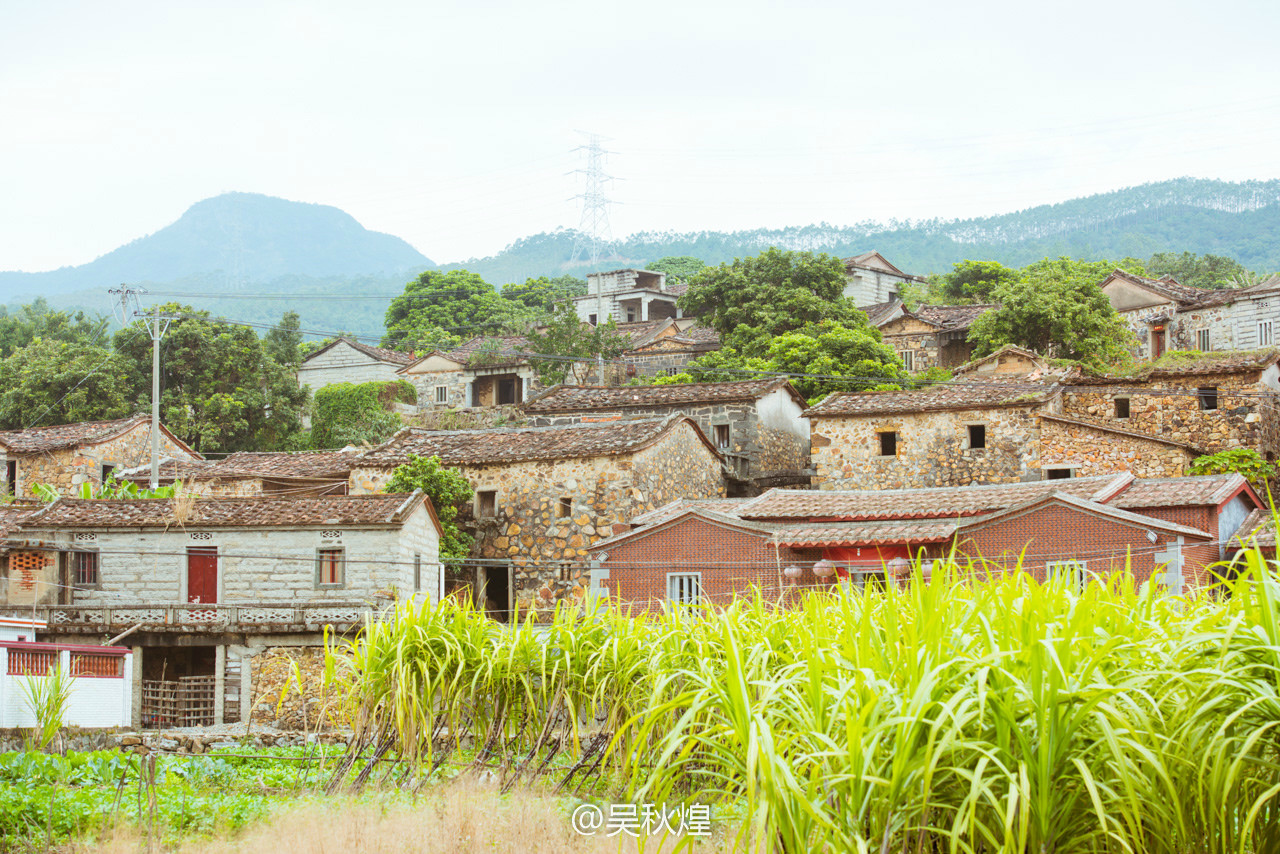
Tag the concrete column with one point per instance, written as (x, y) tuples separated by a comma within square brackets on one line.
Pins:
[(136, 705), (219, 683), (246, 686), (644, 307)]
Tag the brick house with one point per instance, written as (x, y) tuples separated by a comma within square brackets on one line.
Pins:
[(1166, 315), (755, 424), (211, 582), (67, 455), (870, 279), (930, 336), (349, 361), (1170, 530), (247, 473), (542, 494)]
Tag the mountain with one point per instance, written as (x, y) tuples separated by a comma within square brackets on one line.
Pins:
[(1240, 220), (234, 240)]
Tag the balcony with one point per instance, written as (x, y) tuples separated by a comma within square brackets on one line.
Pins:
[(188, 618)]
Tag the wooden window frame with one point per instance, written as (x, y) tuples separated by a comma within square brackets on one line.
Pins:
[(340, 564), (73, 558), (481, 496)]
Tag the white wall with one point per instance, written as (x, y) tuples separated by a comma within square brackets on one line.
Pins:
[(344, 364), (95, 701)]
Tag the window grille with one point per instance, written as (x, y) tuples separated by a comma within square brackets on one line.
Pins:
[(84, 569), (684, 588), (330, 567)]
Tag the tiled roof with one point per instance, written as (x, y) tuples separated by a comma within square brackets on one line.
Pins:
[(491, 351), (168, 470), (726, 506), (570, 398), (1181, 363), (995, 390), (677, 288), (396, 357), (1097, 507), (475, 447), (13, 515), (931, 503), (278, 465), (1210, 489), (1168, 287), (882, 312), (228, 512), (885, 532), (689, 511), (1259, 528), (951, 317), (64, 436)]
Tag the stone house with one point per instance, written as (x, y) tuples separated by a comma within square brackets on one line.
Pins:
[(665, 347), (246, 473), (67, 455), (542, 494), (931, 336), (1166, 315), (871, 279), (628, 296), (486, 371), (755, 424), (349, 361), (1167, 530), (213, 581)]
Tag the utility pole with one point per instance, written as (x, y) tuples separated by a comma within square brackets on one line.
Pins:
[(157, 325)]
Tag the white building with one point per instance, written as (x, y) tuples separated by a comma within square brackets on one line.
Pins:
[(628, 296), (871, 279)]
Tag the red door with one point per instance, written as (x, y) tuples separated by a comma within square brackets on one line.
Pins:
[(202, 575)]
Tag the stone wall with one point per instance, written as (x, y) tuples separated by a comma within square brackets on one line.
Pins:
[(1169, 408), (909, 335), (67, 469), (276, 699), (932, 449), (343, 363), (1089, 450)]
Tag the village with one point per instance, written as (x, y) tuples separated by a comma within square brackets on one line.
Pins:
[(637, 497)]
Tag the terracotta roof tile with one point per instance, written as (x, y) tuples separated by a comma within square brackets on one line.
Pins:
[(1259, 528), (1190, 363), (882, 312), (67, 435), (1168, 287), (956, 394), (227, 512), (475, 447), (13, 515), (953, 317), (1210, 489), (278, 465), (395, 357), (725, 506), (491, 351), (932, 503), (567, 398), (867, 533)]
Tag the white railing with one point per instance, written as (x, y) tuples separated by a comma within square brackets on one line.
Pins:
[(250, 616)]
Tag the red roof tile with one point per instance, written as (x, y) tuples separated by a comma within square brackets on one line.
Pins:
[(888, 532), (577, 398), (726, 506), (228, 512), (957, 394), (63, 436), (1206, 490)]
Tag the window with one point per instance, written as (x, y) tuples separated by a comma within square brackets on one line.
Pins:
[(487, 502), (1202, 339), (684, 588), (591, 318), (1208, 397), (722, 436), (1122, 407), (107, 470), (11, 477), (888, 443), (565, 508), (908, 359), (330, 567), (442, 394), (1057, 474), (1075, 571), (631, 315), (417, 572), (83, 569), (1264, 333), (977, 435)]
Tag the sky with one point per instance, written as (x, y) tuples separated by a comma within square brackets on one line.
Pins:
[(454, 124)]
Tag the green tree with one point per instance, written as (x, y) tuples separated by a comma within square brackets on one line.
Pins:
[(975, 281), (1199, 271), (1243, 461), (679, 268), (1056, 308), (542, 294), (220, 390), (358, 413), (283, 342), (575, 346), (751, 301), (438, 305), (58, 382), (37, 320), (449, 493)]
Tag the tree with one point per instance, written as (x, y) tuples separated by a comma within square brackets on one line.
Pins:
[(438, 305), (976, 281), (750, 301), (1056, 308), (575, 345), (449, 492), (59, 382), (358, 413), (543, 294), (679, 268), (1244, 461), (283, 342), (37, 320), (220, 390), (1199, 271)]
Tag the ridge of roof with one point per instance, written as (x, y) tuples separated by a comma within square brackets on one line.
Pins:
[(698, 512), (570, 398), (993, 391), (77, 433), (381, 354), (1089, 505)]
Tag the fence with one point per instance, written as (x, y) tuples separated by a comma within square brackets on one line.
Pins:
[(187, 701), (101, 689)]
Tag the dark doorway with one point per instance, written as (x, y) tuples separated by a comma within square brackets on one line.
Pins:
[(493, 591), (508, 390), (202, 575)]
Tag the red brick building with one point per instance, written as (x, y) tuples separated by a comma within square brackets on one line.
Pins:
[(1164, 530)]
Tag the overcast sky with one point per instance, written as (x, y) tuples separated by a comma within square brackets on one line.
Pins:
[(452, 124)]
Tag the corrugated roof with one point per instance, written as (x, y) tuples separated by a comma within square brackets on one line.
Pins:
[(253, 512), (476, 447), (990, 391), (930, 503), (577, 398)]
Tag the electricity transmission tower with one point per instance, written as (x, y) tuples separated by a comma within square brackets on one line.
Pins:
[(594, 237), (157, 326)]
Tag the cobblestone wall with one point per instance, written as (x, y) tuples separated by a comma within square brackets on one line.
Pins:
[(67, 469), (1089, 451)]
